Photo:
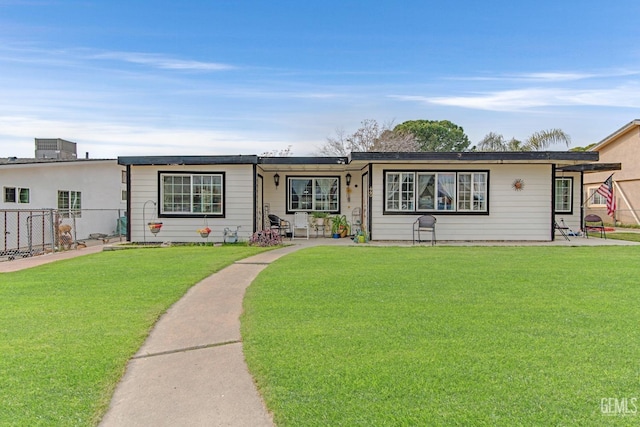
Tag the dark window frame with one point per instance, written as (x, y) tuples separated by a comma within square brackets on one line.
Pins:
[(289, 194), (168, 214), (416, 210)]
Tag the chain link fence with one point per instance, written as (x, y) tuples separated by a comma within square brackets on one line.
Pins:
[(30, 232)]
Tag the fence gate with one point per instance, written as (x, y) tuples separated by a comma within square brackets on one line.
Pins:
[(26, 232)]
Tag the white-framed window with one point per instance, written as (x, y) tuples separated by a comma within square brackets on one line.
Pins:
[(472, 191), (70, 203), (436, 191), (595, 198), (400, 191), (192, 194), (307, 194), (16, 195), (563, 195)]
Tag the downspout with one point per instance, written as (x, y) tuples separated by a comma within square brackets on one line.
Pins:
[(369, 205), (128, 216), (255, 197), (553, 202), (582, 202)]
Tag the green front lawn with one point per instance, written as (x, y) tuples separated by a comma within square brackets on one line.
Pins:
[(67, 329), (447, 336), (620, 235)]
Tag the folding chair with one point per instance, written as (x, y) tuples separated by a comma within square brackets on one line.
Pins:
[(593, 222), (563, 229)]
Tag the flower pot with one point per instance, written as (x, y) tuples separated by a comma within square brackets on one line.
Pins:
[(361, 239), (155, 227), (336, 235), (203, 234)]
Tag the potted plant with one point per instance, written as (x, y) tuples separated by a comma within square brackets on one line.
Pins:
[(319, 218), (339, 226), (204, 232)]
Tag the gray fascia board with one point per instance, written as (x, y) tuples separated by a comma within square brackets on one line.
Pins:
[(187, 160), (478, 156)]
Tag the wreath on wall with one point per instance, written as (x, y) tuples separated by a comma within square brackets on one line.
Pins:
[(518, 184)]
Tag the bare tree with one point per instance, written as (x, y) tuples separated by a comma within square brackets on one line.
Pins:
[(369, 137), (285, 152), (390, 141)]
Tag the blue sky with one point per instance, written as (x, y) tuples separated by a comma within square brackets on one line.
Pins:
[(204, 77)]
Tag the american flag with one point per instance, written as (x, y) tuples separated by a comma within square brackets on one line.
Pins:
[(606, 191)]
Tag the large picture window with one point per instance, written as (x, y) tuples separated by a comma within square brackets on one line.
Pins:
[(563, 195), (437, 191), (192, 194), (306, 194), (70, 203)]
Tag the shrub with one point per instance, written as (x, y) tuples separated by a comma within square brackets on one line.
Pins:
[(265, 238)]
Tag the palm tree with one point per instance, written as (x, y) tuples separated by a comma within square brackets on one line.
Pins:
[(538, 141)]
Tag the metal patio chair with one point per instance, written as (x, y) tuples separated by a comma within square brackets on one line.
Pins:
[(593, 222), (425, 223), (283, 226)]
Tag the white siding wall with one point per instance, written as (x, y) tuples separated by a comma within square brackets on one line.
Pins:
[(238, 187), (99, 181), (513, 215)]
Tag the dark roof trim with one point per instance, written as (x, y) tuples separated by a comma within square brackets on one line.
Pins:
[(188, 160), (467, 156), (479, 156), (30, 161), (303, 160), (592, 167)]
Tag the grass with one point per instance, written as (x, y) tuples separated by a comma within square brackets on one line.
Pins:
[(446, 336), (620, 235), (67, 329)]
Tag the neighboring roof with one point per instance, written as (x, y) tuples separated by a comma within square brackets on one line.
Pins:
[(188, 160), (29, 161), (615, 135)]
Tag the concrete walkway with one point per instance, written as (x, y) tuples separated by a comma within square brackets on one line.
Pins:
[(191, 369)]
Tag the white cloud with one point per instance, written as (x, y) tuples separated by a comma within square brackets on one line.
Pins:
[(530, 98), (163, 62), (551, 76)]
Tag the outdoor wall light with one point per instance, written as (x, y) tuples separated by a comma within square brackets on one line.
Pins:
[(276, 179), (348, 178)]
